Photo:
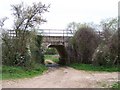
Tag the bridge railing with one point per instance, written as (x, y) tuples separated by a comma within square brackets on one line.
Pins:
[(52, 35), (55, 36), (50, 32), (54, 32)]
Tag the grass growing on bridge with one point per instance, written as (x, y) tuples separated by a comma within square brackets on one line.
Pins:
[(12, 72), (89, 67)]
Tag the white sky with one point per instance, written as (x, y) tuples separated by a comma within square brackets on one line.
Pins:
[(62, 12)]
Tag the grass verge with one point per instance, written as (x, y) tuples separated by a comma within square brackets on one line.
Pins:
[(12, 72), (89, 67), (116, 85), (54, 58)]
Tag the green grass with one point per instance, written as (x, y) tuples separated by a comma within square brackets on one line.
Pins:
[(54, 58), (116, 85), (12, 72), (0, 72), (89, 67)]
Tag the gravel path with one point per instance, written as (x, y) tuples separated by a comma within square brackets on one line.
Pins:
[(65, 77)]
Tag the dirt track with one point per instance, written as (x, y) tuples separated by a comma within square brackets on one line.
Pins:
[(64, 77)]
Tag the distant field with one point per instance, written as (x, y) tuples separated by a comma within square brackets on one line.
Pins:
[(54, 58)]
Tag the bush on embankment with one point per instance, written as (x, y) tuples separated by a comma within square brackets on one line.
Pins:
[(89, 47), (15, 53), (107, 53), (18, 65), (82, 45)]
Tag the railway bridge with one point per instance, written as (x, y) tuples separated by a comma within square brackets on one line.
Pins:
[(58, 39)]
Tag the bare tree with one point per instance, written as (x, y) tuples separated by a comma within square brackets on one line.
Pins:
[(110, 24), (72, 27), (109, 27), (26, 18), (2, 20)]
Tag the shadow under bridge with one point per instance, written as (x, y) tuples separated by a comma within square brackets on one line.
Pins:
[(62, 53)]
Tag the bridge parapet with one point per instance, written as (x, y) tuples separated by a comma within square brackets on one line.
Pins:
[(55, 36), (52, 36)]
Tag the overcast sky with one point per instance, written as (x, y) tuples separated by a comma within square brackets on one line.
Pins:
[(62, 12)]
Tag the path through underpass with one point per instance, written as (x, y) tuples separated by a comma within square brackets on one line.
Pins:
[(65, 77)]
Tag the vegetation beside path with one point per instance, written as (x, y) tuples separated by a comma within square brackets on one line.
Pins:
[(12, 72), (89, 67), (116, 85)]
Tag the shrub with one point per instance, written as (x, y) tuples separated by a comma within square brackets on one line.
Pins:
[(15, 53), (107, 54), (83, 44), (9, 54), (113, 48), (71, 52), (101, 55), (37, 52)]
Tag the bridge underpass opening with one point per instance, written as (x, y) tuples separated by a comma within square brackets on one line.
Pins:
[(62, 53), (51, 56), (58, 39)]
